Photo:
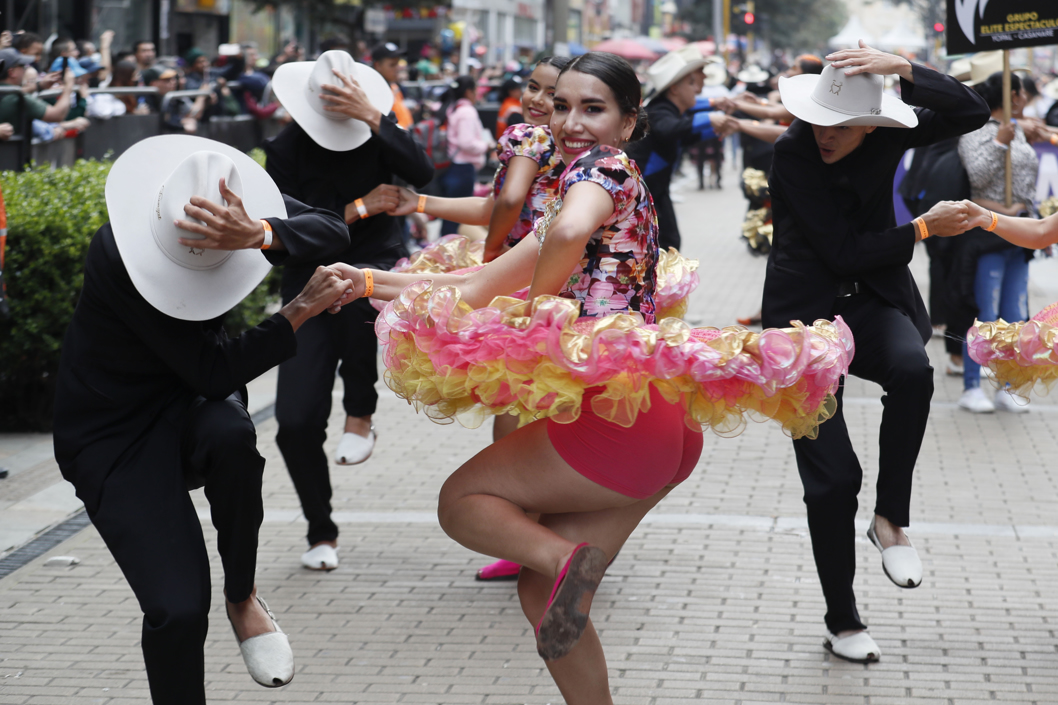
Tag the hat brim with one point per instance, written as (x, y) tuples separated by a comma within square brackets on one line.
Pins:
[(131, 192), (691, 67), (289, 83), (796, 92)]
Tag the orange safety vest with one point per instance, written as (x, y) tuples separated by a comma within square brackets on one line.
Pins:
[(404, 118), (510, 105)]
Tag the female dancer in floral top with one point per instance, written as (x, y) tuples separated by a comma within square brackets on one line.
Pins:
[(591, 487)]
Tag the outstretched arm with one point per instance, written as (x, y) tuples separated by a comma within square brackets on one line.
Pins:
[(505, 275), (1023, 232), (521, 172), (471, 210)]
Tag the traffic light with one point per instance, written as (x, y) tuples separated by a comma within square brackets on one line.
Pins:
[(749, 18), (938, 27)]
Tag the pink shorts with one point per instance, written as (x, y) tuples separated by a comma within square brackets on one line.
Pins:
[(658, 449)]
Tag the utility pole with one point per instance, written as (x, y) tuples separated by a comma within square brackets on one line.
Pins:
[(560, 15), (727, 28), (718, 24)]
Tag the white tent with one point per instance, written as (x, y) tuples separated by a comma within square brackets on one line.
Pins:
[(850, 35), (900, 37)]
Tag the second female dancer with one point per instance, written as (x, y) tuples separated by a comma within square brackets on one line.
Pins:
[(611, 440)]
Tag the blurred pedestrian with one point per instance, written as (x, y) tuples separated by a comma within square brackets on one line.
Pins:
[(466, 143), (511, 108), (341, 153), (1001, 275), (385, 58)]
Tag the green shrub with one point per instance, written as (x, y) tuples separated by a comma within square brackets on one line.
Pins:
[(52, 216)]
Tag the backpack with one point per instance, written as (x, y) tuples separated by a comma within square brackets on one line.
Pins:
[(433, 138)]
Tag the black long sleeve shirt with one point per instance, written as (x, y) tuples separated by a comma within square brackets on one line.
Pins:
[(331, 180), (835, 222), (128, 370)]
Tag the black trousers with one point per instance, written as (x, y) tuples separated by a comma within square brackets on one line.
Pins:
[(889, 351), (148, 522), (303, 402)]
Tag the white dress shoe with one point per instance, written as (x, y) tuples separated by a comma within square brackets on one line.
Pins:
[(322, 557), (976, 402), (900, 563), (858, 647), (1005, 401), (354, 449), (268, 656)]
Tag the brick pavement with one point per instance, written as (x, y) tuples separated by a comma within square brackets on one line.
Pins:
[(714, 599)]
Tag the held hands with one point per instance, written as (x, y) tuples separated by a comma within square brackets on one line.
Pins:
[(356, 289), (326, 289), (868, 60), (224, 228), (381, 199), (407, 202), (949, 218), (980, 217), (350, 101)]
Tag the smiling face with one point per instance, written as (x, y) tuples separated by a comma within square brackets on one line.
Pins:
[(538, 97), (587, 115), (836, 143)]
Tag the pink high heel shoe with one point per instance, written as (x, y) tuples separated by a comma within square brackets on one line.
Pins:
[(566, 614), (500, 570)]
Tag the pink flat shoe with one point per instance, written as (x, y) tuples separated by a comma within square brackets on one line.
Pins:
[(500, 570), (566, 614)]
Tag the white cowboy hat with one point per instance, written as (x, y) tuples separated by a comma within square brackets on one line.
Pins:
[(985, 63), (753, 74), (1050, 89), (715, 73), (147, 189), (960, 69), (671, 68), (298, 85), (832, 98)]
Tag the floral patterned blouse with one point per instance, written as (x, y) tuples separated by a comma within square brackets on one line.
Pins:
[(618, 273), (537, 144)]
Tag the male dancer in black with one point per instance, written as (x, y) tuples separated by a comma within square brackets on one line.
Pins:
[(838, 251), (148, 406), (335, 180)]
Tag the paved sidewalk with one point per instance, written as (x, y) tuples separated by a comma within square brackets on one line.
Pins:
[(714, 599)]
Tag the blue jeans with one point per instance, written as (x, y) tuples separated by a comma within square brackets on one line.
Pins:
[(1002, 291), (457, 182)]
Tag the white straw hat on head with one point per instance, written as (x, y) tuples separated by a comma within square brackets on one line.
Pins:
[(147, 189), (833, 98), (715, 73), (753, 74), (299, 84), (671, 68)]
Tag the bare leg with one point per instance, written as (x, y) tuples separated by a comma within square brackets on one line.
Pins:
[(483, 504), (248, 617), (360, 425)]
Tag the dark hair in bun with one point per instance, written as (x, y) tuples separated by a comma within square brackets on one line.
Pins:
[(559, 62), (992, 89), (622, 81)]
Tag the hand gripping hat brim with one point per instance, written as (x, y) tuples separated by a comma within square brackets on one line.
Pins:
[(297, 86), (133, 196), (832, 98)]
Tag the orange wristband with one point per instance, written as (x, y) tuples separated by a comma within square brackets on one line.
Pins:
[(369, 283), (267, 234), (995, 222), (360, 208), (421, 208), (1054, 140), (920, 225)]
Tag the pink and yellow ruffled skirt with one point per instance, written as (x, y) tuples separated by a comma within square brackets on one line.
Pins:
[(1023, 355), (536, 360), (677, 275)]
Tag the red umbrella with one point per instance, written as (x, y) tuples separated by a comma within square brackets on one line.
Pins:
[(626, 48), (707, 47), (673, 43)]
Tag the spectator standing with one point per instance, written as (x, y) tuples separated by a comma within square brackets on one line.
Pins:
[(511, 107), (127, 75), (1001, 275), (32, 45), (466, 143), (177, 114), (385, 58), (341, 154), (143, 52), (14, 69)]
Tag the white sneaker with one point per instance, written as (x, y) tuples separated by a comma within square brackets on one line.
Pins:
[(1005, 401), (322, 557), (858, 647), (975, 401), (354, 449)]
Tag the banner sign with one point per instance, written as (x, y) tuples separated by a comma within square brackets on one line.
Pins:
[(988, 25)]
